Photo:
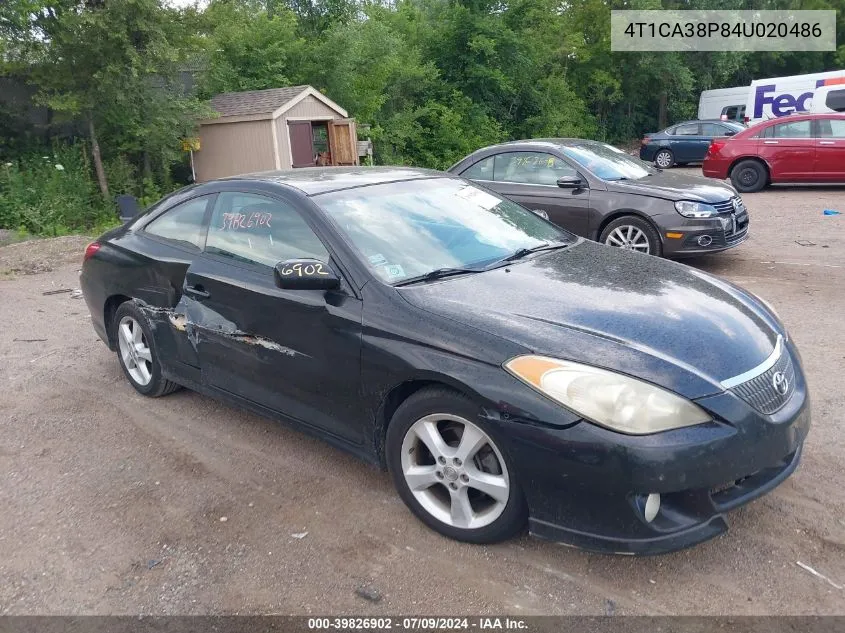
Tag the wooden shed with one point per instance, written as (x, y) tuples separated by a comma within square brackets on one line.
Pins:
[(279, 128)]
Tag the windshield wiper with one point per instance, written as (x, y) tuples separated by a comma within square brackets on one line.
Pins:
[(524, 252), (438, 273)]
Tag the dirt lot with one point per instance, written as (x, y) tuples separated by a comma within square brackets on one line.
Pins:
[(113, 503)]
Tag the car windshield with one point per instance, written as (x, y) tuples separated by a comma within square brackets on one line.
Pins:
[(403, 230), (607, 162)]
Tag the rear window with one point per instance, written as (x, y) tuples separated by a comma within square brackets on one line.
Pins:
[(687, 129)]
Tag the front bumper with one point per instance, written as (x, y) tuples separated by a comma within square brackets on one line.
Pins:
[(702, 236), (686, 518), (586, 486)]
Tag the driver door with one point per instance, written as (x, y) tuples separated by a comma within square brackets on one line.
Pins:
[(295, 352)]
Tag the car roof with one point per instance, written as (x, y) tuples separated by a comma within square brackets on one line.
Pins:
[(803, 116), (541, 143), (316, 180)]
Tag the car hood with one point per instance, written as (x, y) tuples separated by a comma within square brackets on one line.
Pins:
[(655, 319), (672, 185)]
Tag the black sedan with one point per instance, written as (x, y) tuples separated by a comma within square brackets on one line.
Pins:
[(503, 370), (597, 191), (684, 142)]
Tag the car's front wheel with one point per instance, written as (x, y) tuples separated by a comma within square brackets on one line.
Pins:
[(633, 234), (664, 159), (137, 352), (450, 471), (749, 176)]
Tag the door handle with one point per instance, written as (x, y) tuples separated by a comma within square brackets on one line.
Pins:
[(827, 142), (197, 291), (770, 142)]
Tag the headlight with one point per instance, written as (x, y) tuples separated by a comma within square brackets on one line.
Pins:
[(618, 402), (690, 209)]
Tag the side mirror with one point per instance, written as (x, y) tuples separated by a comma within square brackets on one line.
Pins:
[(570, 182), (305, 274), (127, 207), (730, 133)]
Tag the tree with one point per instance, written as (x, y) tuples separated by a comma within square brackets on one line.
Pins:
[(114, 65)]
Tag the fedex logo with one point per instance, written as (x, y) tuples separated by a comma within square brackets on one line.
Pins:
[(782, 104)]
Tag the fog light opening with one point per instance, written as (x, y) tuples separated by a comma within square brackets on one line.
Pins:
[(652, 507), (705, 240)]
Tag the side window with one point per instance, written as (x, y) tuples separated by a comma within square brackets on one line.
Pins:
[(793, 129), (482, 170), (832, 128), (182, 223), (670, 131), (711, 129), (258, 230), (835, 100), (687, 129), (533, 168), (729, 112)]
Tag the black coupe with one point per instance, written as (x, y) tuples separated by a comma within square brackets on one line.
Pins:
[(503, 370)]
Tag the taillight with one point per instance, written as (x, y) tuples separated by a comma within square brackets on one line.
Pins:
[(715, 146), (92, 248)]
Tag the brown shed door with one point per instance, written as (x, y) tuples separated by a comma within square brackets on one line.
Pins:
[(343, 141), (301, 144)]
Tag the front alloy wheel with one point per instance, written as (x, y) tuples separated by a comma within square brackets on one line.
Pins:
[(632, 233), (449, 469), (628, 237), (455, 471)]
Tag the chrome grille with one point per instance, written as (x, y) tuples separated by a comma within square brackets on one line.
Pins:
[(760, 391), (727, 206)]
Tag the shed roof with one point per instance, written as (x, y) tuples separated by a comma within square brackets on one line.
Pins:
[(265, 104)]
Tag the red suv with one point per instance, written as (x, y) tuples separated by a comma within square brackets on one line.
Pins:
[(794, 148)]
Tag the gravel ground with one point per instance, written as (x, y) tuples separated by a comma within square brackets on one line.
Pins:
[(117, 504)]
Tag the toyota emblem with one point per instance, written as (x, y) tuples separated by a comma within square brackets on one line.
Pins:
[(780, 383)]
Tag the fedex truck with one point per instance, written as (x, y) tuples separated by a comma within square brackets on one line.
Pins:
[(770, 98), (727, 104)]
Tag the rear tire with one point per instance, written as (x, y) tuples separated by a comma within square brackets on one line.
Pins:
[(664, 159), (634, 234), (137, 353), (748, 176), (477, 499)]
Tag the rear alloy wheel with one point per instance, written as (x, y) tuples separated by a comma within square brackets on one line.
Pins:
[(633, 234), (749, 176), (664, 159), (449, 470), (137, 354)]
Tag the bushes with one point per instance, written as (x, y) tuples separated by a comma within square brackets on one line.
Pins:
[(56, 193), (51, 194)]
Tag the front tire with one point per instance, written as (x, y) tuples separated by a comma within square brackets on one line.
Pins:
[(664, 159), (450, 471), (749, 176), (137, 352), (632, 233)]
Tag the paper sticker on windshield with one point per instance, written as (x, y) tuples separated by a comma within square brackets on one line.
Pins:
[(477, 196), (393, 271), (378, 259)]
